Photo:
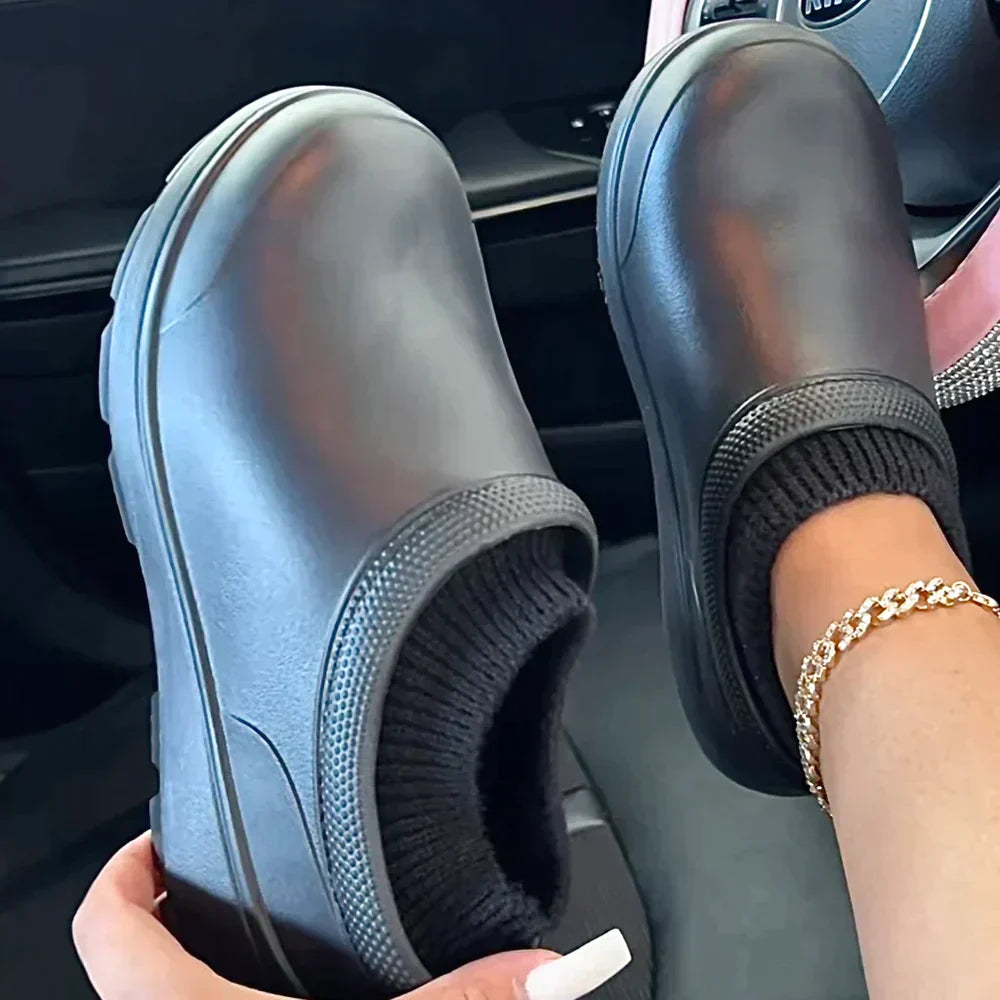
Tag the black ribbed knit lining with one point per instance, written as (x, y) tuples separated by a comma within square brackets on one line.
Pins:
[(803, 479), (469, 807)]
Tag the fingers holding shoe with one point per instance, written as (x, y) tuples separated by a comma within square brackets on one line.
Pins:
[(128, 953)]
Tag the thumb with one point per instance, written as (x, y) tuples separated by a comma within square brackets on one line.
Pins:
[(533, 975)]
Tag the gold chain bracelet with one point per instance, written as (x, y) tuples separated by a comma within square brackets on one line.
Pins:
[(841, 635)]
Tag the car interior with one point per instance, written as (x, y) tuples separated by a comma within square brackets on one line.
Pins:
[(721, 892)]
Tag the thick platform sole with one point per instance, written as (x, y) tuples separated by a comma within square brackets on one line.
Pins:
[(716, 699), (216, 905)]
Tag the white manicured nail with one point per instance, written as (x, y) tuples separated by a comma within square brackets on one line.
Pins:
[(581, 971)]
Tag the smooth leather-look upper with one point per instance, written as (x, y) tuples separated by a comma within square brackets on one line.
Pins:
[(761, 281), (965, 318), (303, 369), (768, 235), (333, 364), (329, 309)]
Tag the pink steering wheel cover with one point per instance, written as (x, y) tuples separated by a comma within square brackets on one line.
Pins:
[(965, 307), (666, 22)]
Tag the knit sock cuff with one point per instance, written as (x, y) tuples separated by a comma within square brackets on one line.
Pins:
[(469, 808), (805, 478)]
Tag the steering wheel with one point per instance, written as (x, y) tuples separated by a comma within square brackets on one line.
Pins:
[(934, 66)]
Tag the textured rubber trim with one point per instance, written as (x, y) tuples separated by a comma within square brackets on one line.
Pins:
[(974, 374), (385, 599), (772, 423)]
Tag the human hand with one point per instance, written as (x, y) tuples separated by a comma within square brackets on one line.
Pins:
[(129, 955)]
